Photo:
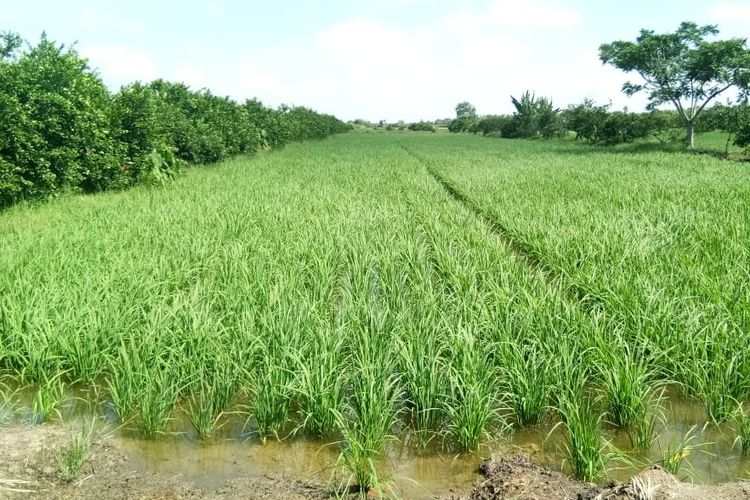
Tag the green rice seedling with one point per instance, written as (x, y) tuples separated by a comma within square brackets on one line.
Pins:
[(157, 401), (47, 400), (586, 450), (72, 456), (81, 355), (217, 388), (125, 381), (526, 371), (721, 388), (625, 381), (369, 413), (321, 382), (643, 433), (675, 455), (38, 360), (272, 396), (365, 426), (570, 368), (202, 410), (473, 405), (742, 422), (7, 405), (630, 399), (422, 367)]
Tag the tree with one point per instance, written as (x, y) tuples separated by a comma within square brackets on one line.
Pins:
[(466, 110), (492, 124), (736, 121), (586, 119), (9, 44), (534, 116), (466, 117), (682, 68)]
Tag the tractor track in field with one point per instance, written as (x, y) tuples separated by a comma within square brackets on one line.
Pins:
[(588, 302)]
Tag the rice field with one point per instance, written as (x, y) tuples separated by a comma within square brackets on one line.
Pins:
[(443, 293)]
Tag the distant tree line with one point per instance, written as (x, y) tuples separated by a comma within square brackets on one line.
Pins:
[(62, 130), (685, 70), (536, 117)]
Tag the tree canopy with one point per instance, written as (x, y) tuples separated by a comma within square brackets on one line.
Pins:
[(683, 68)]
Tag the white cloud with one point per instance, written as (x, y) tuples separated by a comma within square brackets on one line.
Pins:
[(525, 13), (731, 13), (422, 72), (95, 18), (119, 64)]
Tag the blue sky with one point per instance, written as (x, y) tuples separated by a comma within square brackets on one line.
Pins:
[(380, 59)]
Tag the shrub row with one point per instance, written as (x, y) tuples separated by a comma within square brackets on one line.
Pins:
[(595, 123), (61, 129)]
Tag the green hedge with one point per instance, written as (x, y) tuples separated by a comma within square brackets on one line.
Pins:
[(62, 130)]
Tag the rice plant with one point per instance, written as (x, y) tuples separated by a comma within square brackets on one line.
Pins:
[(675, 454), (71, 457), (125, 380), (422, 367), (586, 450), (473, 405), (527, 373), (157, 402), (47, 400), (271, 398), (742, 422), (367, 420), (321, 383)]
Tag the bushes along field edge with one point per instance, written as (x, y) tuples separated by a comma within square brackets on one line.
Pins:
[(62, 130)]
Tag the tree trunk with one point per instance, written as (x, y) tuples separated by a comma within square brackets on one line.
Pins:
[(690, 128)]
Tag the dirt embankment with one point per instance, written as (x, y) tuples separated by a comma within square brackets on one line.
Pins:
[(28, 469), (520, 479)]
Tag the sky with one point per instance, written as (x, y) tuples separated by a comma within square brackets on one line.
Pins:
[(377, 59)]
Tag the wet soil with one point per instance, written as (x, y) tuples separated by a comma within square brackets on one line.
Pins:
[(29, 469), (520, 479)]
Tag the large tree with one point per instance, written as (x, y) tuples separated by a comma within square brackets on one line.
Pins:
[(683, 68), (466, 117)]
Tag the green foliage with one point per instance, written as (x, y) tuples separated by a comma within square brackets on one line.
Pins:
[(61, 129), (466, 118), (585, 119), (622, 127), (492, 124), (54, 134), (72, 457), (534, 117), (683, 68), (586, 450), (422, 126), (732, 119), (47, 400)]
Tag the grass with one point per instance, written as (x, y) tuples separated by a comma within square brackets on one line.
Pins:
[(675, 454), (743, 430), (71, 458), (585, 447), (337, 290)]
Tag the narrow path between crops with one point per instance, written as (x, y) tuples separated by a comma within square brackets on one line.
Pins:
[(591, 304)]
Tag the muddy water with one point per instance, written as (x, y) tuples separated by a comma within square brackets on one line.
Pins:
[(424, 475), (211, 465), (234, 452)]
